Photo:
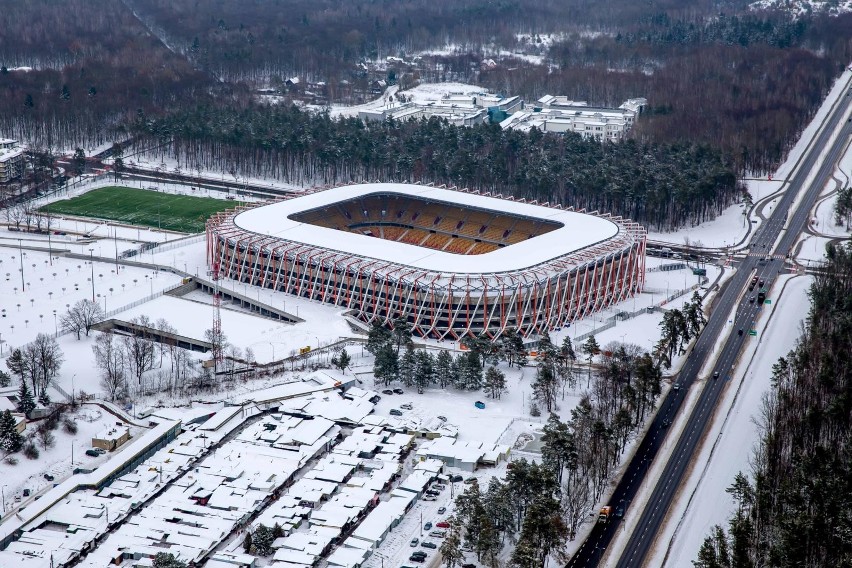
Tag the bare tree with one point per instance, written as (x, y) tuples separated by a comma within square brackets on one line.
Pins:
[(139, 353), (41, 360), (110, 363), (81, 317)]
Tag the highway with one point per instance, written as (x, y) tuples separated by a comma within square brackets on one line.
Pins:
[(736, 293)]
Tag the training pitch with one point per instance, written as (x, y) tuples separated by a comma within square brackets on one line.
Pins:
[(183, 213)]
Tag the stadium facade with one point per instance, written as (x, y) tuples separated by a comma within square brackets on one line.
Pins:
[(451, 261)]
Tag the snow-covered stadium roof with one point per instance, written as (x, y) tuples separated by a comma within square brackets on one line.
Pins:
[(577, 231)]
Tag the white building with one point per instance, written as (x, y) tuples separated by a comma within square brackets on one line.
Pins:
[(11, 160), (560, 114)]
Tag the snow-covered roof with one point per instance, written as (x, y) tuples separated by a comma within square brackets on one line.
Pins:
[(577, 230)]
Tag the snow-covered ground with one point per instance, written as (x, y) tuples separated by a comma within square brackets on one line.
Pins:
[(57, 460), (801, 8), (703, 501)]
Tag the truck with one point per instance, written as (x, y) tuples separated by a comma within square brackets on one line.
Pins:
[(604, 515)]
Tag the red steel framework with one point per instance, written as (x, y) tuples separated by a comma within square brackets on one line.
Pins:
[(437, 304)]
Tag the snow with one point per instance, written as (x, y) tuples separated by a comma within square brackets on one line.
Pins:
[(703, 501), (578, 230), (57, 461)]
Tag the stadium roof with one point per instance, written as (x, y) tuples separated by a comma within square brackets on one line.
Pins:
[(578, 230)]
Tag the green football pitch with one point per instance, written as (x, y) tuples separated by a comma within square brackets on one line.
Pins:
[(183, 213)]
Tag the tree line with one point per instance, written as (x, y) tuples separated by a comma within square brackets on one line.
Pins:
[(792, 509), (660, 185)]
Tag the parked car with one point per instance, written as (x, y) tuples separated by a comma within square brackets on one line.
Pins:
[(387, 391), (92, 453), (443, 525), (49, 477), (438, 534), (406, 406), (427, 526), (439, 486), (398, 391), (26, 492), (479, 404), (375, 399), (442, 510), (429, 498), (431, 545), (468, 565), (470, 480), (456, 478), (419, 559), (414, 542), (395, 412), (432, 492), (444, 418), (419, 553)]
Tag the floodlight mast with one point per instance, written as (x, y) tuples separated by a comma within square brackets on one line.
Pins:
[(217, 320)]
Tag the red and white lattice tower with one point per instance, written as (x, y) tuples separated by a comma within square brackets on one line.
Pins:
[(217, 318)]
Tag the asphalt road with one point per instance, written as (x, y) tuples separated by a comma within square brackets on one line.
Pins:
[(736, 293)]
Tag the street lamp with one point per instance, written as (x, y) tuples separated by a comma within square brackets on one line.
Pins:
[(92, 264), (21, 256)]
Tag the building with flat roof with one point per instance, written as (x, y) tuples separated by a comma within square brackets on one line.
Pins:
[(560, 114), (11, 160)]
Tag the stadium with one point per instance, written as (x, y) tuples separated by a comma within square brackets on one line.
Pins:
[(452, 262)]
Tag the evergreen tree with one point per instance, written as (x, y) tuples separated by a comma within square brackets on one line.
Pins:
[(401, 335), (471, 371), (408, 367), (167, 560), (44, 398), (424, 374), (451, 551), (5, 379), (26, 402), (11, 440), (377, 338), (262, 539), (341, 360), (546, 384), (444, 369), (247, 543), (15, 362), (590, 349), (495, 382), (386, 365)]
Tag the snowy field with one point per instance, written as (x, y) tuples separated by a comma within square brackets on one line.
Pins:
[(703, 501)]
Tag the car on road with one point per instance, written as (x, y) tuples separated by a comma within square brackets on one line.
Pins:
[(676, 387), (761, 283), (398, 391), (407, 406), (619, 509), (395, 412), (443, 525), (740, 331), (428, 544), (387, 392), (442, 510), (427, 527), (716, 374), (414, 542), (751, 299)]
